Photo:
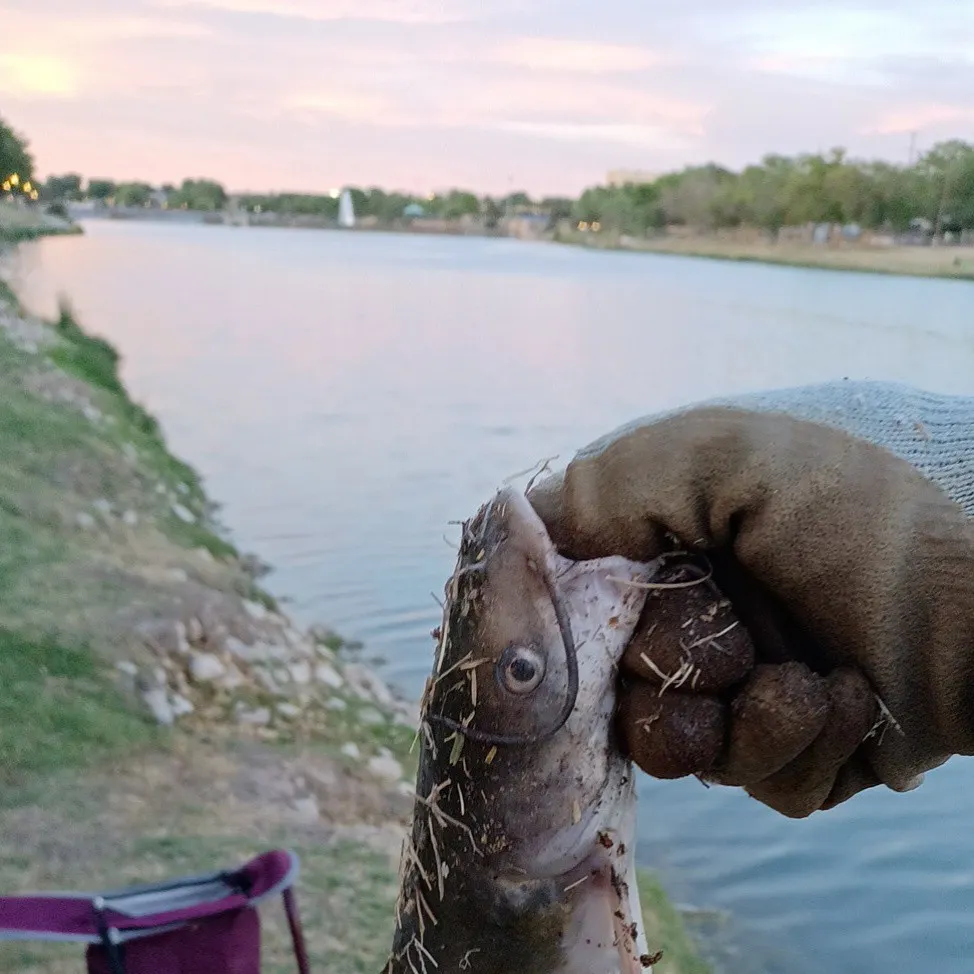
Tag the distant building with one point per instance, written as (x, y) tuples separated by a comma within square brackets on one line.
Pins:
[(619, 177)]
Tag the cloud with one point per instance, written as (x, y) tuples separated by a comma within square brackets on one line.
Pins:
[(642, 136), (916, 118), (124, 28), (574, 57), (354, 106), (38, 75), (314, 93), (387, 11), (538, 99)]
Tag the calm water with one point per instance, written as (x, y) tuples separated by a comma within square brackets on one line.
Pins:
[(347, 395)]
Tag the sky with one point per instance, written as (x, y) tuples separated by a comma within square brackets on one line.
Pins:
[(493, 95)]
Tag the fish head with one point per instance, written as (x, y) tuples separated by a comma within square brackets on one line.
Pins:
[(520, 856)]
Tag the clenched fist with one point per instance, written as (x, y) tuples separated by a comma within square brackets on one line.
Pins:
[(813, 634)]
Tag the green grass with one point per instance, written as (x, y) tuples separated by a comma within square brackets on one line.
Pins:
[(95, 361), (666, 930), (58, 709)]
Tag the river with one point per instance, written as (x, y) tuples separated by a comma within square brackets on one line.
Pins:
[(347, 395)]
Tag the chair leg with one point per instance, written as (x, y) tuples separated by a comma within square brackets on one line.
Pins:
[(297, 934)]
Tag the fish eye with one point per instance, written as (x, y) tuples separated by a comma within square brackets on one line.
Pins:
[(521, 669)]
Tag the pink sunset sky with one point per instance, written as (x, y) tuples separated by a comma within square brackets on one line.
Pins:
[(495, 95)]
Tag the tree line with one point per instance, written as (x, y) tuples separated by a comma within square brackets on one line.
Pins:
[(935, 193)]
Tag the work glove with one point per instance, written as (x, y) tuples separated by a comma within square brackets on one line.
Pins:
[(813, 632)]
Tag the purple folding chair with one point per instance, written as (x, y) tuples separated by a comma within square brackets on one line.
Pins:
[(205, 924)]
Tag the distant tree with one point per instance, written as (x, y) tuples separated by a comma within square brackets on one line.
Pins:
[(516, 200), (948, 171), (67, 187), (633, 209), (557, 207), (199, 194), (459, 203), (15, 157), (493, 211), (100, 189), (133, 194), (688, 197)]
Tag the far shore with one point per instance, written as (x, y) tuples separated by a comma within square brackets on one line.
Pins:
[(911, 260), (945, 261)]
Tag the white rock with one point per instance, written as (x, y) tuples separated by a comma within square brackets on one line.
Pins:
[(160, 488), (300, 673), (205, 667), (205, 554), (328, 675), (182, 488), (368, 685), (288, 710), (157, 700), (260, 717), (406, 714), (91, 413), (323, 776), (194, 630), (103, 506), (178, 575), (255, 610), (232, 679), (127, 667), (180, 705), (130, 518), (84, 520), (351, 750), (240, 650), (385, 767), (264, 678), (165, 635), (406, 789), (184, 513), (292, 636), (130, 452), (336, 703), (307, 808)]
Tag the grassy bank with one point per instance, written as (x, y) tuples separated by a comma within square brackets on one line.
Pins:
[(114, 571), (18, 224), (943, 262)]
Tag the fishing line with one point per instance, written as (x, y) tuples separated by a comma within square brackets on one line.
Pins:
[(571, 695)]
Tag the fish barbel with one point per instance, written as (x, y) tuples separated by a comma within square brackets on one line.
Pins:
[(520, 858)]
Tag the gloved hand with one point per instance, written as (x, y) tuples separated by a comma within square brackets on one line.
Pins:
[(837, 521)]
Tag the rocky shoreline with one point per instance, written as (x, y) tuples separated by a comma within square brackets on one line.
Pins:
[(159, 712), (175, 612)]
